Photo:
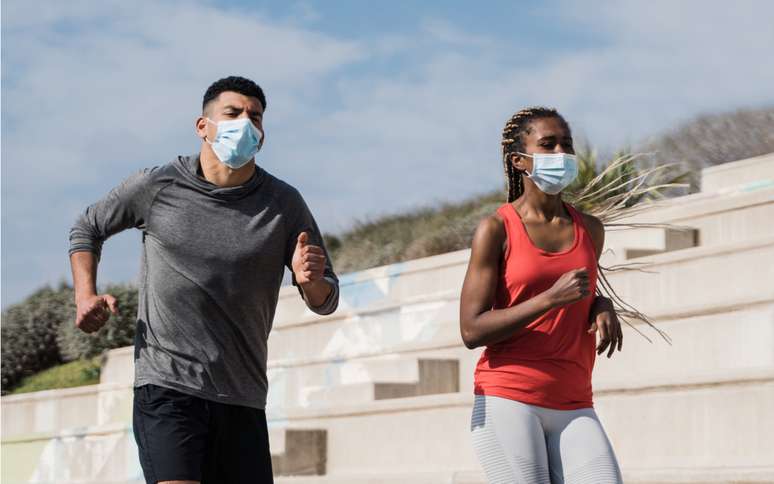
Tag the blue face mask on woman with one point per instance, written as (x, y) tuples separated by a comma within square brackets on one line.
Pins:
[(552, 172), (236, 141)]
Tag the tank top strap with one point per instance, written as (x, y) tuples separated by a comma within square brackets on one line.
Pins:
[(576, 216), (514, 229), (582, 232)]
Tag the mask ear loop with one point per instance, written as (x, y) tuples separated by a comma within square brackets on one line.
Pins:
[(259, 135), (211, 122), (528, 156)]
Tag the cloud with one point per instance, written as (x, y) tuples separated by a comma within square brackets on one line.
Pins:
[(94, 91), (660, 62)]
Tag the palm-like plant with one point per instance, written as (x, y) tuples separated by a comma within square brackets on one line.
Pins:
[(619, 190), (604, 189)]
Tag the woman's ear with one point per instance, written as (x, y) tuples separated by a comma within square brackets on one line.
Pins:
[(518, 162)]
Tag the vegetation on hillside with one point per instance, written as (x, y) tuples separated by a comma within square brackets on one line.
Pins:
[(713, 139)]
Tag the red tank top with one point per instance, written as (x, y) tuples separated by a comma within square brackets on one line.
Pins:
[(548, 363)]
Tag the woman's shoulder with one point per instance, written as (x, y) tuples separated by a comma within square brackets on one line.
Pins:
[(594, 226), (491, 229)]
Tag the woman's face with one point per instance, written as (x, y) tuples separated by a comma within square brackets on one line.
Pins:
[(547, 135)]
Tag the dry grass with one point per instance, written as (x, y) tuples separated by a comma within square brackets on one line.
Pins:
[(610, 191), (424, 232), (713, 139)]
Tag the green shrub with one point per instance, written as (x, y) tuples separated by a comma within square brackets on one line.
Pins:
[(29, 333), (73, 374), (40, 332), (74, 344)]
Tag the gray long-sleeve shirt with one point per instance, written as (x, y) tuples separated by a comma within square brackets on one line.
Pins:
[(212, 265)]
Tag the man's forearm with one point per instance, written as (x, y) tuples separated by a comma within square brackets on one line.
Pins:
[(84, 268), (317, 292)]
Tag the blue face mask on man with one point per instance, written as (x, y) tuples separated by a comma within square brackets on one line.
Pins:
[(552, 172), (236, 142)]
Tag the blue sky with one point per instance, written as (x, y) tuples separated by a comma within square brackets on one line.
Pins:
[(373, 107)]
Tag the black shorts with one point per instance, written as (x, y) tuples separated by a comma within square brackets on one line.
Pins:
[(182, 437)]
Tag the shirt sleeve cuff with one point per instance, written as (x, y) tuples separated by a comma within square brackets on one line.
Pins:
[(331, 302)]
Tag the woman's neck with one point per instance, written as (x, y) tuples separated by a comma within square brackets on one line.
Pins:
[(537, 204)]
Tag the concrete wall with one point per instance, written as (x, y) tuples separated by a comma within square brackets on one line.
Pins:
[(697, 409)]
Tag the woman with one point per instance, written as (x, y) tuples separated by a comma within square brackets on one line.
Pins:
[(529, 297)]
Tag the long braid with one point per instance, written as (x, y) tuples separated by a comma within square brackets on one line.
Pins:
[(513, 141)]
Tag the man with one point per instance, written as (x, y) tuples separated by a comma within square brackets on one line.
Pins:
[(217, 233)]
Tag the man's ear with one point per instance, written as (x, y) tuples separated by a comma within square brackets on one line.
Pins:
[(201, 127)]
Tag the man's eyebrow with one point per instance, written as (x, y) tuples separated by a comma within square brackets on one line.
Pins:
[(230, 107)]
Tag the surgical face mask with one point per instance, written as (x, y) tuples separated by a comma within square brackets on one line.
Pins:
[(552, 172), (236, 141)]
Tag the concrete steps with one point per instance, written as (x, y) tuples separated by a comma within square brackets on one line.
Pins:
[(298, 452), (732, 336), (630, 244), (698, 410), (657, 290), (716, 342), (661, 291), (108, 453), (360, 380), (718, 475), (96, 454), (734, 321), (730, 215), (758, 169), (408, 282), (731, 340), (71, 408), (669, 426), (727, 214), (433, 377), (395, 477)]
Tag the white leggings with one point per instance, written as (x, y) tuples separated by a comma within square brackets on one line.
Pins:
[(526, 444)]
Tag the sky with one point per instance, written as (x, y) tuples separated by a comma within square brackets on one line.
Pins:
[(373, 108)]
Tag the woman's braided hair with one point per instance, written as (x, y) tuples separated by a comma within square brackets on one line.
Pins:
[(513, 142)]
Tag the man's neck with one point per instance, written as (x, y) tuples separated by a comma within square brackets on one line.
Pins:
[(221, 175)]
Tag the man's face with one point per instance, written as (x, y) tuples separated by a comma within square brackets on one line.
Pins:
[(228, 106)]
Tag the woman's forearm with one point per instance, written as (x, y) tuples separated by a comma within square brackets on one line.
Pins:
[(496, 325)]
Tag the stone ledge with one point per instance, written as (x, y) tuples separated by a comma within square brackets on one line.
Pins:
[(398, 405)]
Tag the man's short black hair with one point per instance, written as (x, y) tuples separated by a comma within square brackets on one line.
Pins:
[(235, 84)]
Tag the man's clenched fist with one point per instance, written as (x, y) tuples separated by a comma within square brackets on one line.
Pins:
[(93, 312), (308, 260)]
